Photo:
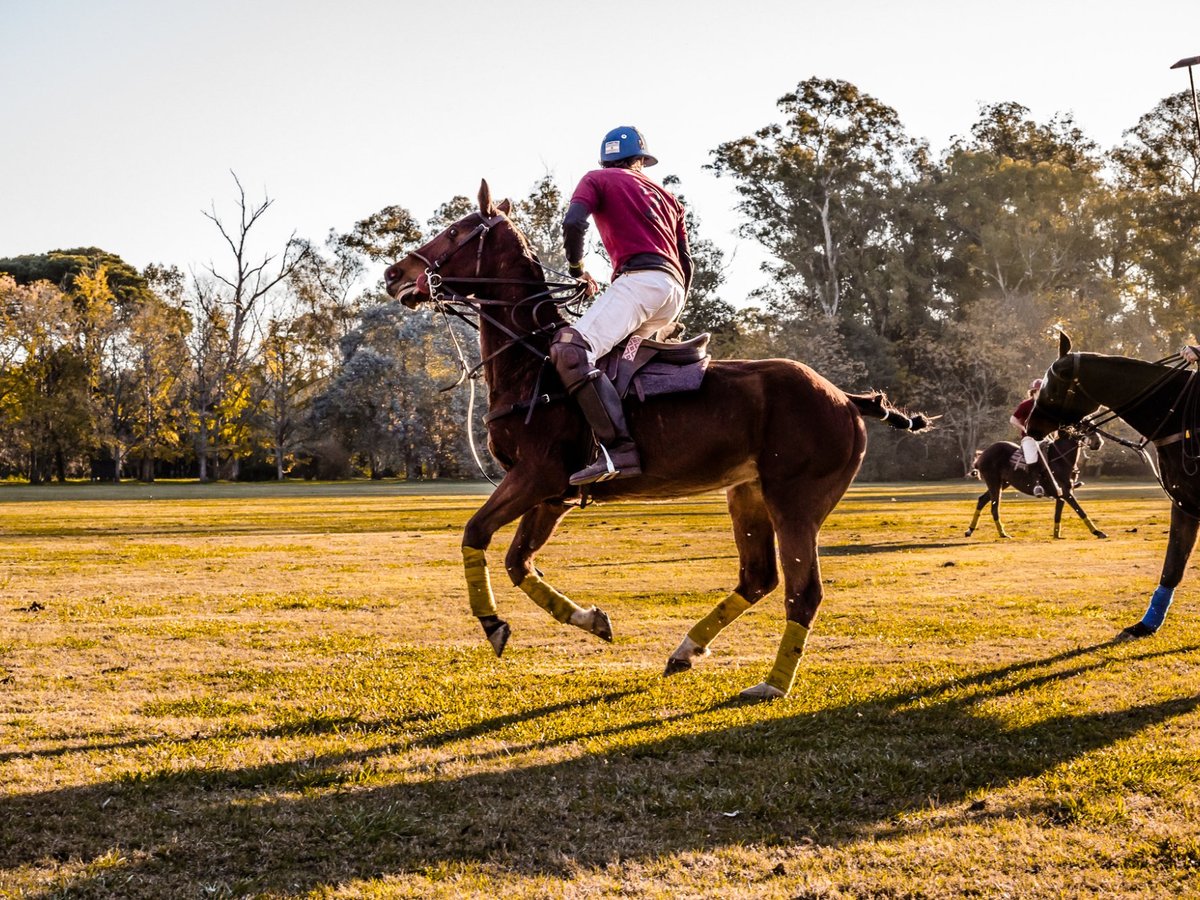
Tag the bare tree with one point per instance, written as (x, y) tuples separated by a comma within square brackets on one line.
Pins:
[(230, 308)]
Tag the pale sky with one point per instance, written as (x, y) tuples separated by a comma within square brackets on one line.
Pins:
[(122, 119)]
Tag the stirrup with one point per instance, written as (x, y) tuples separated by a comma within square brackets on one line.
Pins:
[(596, 472)]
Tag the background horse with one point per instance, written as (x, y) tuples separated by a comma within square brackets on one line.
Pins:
[(996, 467), (1160, 403), (782, 441)]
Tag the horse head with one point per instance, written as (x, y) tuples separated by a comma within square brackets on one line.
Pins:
[(457, 252), (1060, 400)]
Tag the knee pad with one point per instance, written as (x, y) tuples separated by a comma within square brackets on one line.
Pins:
[(568, 353)]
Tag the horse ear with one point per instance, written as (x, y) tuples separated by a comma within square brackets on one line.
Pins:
[(1064, 344), (505, 206), (485, 199)]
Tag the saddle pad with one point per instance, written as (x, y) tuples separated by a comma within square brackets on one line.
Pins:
[(665, 378), (648, 368)]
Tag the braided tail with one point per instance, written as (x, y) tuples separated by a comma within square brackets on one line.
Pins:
[(877, 406)]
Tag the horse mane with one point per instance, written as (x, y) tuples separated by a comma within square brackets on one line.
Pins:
[(526, 245)]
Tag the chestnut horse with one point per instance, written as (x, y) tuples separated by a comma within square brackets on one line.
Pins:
[(995, 466), (782, 442), (1160, 403)]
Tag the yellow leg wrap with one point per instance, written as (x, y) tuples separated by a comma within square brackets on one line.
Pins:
[(723, 613), (479, 583), (791, 648), (558, 605)]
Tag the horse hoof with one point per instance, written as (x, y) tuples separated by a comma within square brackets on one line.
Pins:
[(675, 666), (970, 531), (1133, 632), (601, 625), (681, 659), (1100, 534), (498, 637), (762, 691)]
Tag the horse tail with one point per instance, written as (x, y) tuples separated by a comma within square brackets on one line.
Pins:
[(877, 406)]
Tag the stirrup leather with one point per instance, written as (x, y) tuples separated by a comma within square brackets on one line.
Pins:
[(610, 469)]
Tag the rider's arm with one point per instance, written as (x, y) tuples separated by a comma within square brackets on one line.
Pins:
[(575, 226), (1018, 423), (685, 256)]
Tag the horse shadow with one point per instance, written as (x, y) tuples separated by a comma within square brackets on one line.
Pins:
[(836, 774)]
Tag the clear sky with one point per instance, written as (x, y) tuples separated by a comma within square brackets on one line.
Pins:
[(121, 119)]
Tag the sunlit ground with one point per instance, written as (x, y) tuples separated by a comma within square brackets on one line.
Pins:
[(279, 691)]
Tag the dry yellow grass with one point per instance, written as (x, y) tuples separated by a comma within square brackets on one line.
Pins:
[(278, 691)]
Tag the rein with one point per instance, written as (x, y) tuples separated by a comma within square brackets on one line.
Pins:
[(472, 310)]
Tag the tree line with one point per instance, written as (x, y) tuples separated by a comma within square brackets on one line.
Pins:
[(934, 276)]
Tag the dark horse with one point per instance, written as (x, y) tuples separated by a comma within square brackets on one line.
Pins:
[(782, 441), (1157, 401), (997, 467)]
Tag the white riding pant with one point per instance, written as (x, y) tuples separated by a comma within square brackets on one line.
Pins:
[(638, 303), (1030, 448)]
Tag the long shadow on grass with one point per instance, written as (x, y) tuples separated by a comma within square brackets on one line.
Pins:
[(831, 774)]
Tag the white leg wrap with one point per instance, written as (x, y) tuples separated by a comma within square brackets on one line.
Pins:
[(689, 650), (762, 691)]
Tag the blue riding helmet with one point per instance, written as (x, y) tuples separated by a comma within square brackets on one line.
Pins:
[(624, 142)]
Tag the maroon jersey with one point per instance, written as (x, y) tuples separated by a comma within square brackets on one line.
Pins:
[(633, 215), (1021, 413)]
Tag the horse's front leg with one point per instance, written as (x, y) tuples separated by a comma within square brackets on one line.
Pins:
[(1086, 521), (1058, 508), (1179, 548), (514, 497), (535, 529)]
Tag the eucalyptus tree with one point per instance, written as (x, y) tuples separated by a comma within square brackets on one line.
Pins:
[(1158, 168), (384, 401), (817, 191), (1022, 218)]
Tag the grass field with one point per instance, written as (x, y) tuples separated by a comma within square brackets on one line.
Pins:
[(279, 691)]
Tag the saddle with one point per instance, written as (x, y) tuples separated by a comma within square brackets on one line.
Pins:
[(646, 367), (1017, 460)]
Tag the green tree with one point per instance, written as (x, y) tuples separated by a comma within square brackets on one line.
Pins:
[(705, 310), (816, 191), (540, 216), (1158, 170), (44, 390)]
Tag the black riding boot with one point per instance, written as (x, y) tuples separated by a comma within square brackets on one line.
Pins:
[(598, 400), (601, 406)]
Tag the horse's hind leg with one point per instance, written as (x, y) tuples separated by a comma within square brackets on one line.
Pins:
[(994, 491), (980, 503), (1058, 507), (797, 515), (535, 529), (758, 574), (1086, 521)]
